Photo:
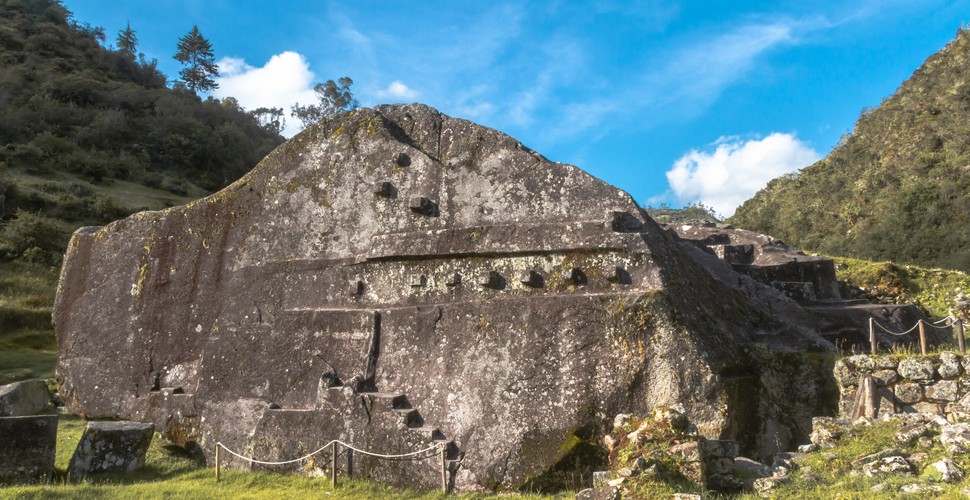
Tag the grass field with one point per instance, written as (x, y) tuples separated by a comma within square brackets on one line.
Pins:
[(169, 473)]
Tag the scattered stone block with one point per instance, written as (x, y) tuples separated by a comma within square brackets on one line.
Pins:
[(956, 437), (888, 465), (689, 451), (908, 434), (945, 470), (27, 450), (766, 485), (111, 447), (879, 455), (916, 369), (920, 488), (29, 397), (825, 430)]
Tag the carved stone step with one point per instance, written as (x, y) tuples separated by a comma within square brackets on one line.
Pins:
[(412, 419), (432, 433)]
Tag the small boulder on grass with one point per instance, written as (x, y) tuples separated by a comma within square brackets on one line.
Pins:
[(111, 447), (945, 470)]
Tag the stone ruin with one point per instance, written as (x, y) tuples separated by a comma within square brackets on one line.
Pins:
[(839, 312), (396, 278)]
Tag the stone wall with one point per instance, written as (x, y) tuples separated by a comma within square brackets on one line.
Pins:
[(937, 384)]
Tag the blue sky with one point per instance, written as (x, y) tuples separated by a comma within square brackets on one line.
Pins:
[(674, 102)]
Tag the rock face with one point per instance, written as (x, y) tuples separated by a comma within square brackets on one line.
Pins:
[(397, 278), (27, 454), (29, 397), (111, 447)]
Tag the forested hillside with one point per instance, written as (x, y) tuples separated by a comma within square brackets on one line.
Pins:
[(89, 134), (897, 188)]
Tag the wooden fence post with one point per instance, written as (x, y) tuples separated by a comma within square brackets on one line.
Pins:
[(444, 471), (333, 465), (922, 337), (959, 332), (217, 462), (872, 336)]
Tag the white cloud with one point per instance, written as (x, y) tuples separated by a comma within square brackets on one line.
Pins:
[(736, 169), (398, 91), (284, 80)]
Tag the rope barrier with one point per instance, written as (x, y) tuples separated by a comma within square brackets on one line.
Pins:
[(433, 447), (898, 334), (948, 320)]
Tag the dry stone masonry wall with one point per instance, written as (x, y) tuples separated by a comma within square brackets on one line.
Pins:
[(937, 384)]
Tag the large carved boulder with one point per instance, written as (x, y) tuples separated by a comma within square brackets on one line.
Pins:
[(400, 279)]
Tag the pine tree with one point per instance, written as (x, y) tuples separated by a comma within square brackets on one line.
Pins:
[(195, 53), (127, 42)]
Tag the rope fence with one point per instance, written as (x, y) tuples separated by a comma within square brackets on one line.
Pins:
[(943, 324), (438, 449)]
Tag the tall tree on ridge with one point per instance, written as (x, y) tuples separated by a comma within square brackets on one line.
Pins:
[(195, 53), (334, 97), (127, 42)]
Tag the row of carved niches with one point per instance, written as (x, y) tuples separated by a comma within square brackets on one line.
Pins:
[(533, 278)]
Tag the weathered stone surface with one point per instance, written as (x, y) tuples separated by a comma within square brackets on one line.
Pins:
[(766, 485), (944, 470), (909, 393), (718, 448), (908, 434), (879, 455), (825, 430), (111, 447), (29, 397), (916, 368), (28, 447), (917, 488), (956, 437), (942, 391), (949, 365), (250, 302), (888, 465), (885, 377)]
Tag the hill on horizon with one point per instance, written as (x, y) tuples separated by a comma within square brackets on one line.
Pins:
[(897, 188)]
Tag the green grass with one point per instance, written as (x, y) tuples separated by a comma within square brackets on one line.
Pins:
[(838, 479), (169, 473), (935, 290), (27, 345)]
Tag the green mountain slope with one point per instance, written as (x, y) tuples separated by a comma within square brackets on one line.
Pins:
[(89, 135), (897, 188)]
